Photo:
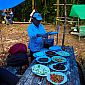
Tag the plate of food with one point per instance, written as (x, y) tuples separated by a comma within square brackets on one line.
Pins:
[(38, 54), (50, 53), (40, 70), (58, 67), (57, 78), (58, 59), (55, 48), (43, 59), (63, 53)]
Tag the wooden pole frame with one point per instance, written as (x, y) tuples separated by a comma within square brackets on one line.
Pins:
[(64, 31), (33, 2), (79, 29), (57, 11)]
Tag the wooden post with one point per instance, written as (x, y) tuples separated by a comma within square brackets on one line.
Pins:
[(57, 11), (2, 42), (45, 3), (64, 31), (45, 14), (33, 1), (79, 29)]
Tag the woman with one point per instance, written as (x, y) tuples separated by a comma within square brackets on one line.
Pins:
[(36, 33)]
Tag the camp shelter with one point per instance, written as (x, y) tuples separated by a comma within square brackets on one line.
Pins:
[(79, 12), (5, 4)]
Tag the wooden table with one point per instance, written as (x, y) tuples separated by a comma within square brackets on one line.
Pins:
[(29, 78)]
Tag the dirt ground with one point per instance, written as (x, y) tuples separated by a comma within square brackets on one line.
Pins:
[(11, 34)]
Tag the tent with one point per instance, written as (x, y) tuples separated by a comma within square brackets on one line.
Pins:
[(5, 4), (79, 12)]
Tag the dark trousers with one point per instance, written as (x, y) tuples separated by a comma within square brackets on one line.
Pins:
[(7, 78), (31, 55), (2, 83)]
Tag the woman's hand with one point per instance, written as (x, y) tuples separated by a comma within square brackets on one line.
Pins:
[(42, 35), (39, 35), (45, 35)]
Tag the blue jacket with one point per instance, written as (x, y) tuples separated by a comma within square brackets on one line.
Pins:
[(35, 43)]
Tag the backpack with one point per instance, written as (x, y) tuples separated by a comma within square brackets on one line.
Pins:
[(18, 48), (18, 59)]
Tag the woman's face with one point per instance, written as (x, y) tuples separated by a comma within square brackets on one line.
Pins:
[(36, 22)]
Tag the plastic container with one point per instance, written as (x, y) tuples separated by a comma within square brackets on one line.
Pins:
[(48, 42)]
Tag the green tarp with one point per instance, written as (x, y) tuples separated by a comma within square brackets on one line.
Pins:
[(78, 11)]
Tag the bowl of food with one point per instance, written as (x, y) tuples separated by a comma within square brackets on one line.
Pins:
[(40, 70), (57, 78), (63, 53), (55, 48), (58, 59), (43, 59), (58, 67), (50, 53), (38, 54)]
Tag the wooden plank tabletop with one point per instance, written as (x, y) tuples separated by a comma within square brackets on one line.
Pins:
[(29, 78)]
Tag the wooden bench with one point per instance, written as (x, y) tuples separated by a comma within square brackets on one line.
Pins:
[(81, 31)]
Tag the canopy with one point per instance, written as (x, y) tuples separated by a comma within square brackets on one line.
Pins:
[(78, 11), (5, 4)]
